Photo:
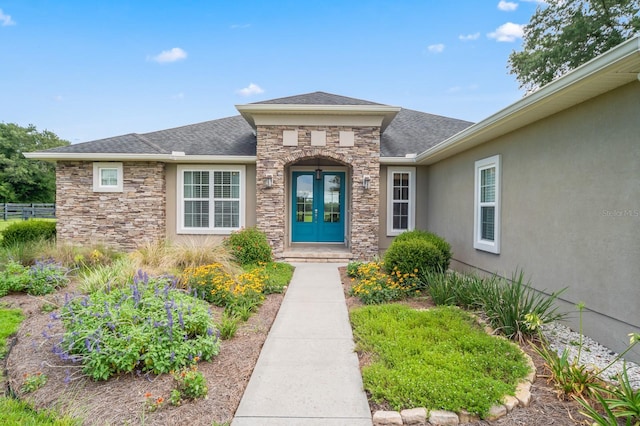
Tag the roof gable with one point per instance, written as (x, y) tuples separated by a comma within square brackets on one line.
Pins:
[(316, 98)]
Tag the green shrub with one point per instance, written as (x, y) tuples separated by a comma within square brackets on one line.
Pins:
[(434, 239), (149, 326), (248, 246), (26, 231), (413, 256), (42, 278)]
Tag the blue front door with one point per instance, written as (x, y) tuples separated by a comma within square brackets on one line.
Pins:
[(318, 207)]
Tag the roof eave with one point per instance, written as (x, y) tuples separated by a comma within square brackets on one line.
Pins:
[(385, 112), (175, 157), (397, 161), (613, 69)]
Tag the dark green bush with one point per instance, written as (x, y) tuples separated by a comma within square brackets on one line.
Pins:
[(26, 231), (248, 246), (434, 239), (413, 256)]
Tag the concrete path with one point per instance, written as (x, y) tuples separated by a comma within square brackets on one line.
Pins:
[(307, 373)]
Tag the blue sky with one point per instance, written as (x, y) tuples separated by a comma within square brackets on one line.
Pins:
[(87, 69)]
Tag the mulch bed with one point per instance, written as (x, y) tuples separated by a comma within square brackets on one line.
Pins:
[(545, 408), (121, 400)]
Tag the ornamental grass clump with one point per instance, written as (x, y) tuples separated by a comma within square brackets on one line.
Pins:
[(149, 326)]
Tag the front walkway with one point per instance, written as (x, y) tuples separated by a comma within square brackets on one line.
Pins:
[(307, 372)]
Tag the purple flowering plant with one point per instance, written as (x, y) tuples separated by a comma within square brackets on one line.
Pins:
[(149, 326)]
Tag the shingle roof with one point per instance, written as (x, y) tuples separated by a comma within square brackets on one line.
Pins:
[(225, 136), (410, 132), (317, 98)]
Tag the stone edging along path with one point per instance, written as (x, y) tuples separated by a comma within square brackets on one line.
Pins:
[(418, 416)]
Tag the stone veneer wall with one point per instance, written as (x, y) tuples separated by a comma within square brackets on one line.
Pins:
[(122, 220), (363, 158)]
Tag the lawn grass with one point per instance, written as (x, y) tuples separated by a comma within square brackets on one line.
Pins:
[(10, 320), (437, 359), (15, 412)]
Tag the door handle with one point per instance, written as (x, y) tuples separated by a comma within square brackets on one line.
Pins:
[(315, 214)]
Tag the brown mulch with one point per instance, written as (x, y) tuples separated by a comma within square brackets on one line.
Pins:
[(121, 400), (545, 408)]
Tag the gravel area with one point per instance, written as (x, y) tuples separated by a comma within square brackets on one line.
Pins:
[(593, 354)]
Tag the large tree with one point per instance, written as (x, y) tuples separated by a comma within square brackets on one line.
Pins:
[(23, 180), (564, 34)]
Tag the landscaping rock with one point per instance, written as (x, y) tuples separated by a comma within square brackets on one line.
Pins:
[(531, 377), (496, 412), (466, 417), (510, 402), (523, 393), (387, 418), (443, 418), (414, 416)]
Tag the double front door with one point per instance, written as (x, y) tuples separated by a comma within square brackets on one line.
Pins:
[(318, 207)]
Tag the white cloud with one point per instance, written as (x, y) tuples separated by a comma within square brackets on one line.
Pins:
[(436, 48), (173, 55), (251, 89), (239, 26), (469, 37), (5, 20), (508, 32), (507, 6), (178, 96), (58, 98)]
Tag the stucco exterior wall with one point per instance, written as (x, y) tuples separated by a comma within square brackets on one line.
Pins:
[(122, 220), (422, 201), (172, 203), (274, 158), (570, 210)]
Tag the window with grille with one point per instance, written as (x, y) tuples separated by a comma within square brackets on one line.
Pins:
[(487, 205), (401, 200), (210, 199)]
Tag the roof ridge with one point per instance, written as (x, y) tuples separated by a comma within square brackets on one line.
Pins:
[(151, 144)]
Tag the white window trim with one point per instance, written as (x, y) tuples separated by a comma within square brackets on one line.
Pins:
[(181, 229), (478, 242), (97, 178), (391, 232)]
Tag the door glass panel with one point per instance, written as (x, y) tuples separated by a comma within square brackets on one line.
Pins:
[(331, 198), (304, 198)]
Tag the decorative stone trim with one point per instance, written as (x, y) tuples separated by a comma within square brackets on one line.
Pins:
[(363, 158), (122, 220)]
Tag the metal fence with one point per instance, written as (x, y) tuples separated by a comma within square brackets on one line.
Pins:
[(27, 210)]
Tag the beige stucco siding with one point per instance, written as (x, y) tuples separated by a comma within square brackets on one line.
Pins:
[(422, 195), (172, 200), (570, 209)]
